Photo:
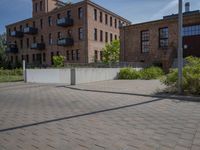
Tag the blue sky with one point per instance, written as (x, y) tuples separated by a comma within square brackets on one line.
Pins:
[(135, 10)]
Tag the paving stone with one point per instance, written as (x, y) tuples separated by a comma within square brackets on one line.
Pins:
[(110, 115)]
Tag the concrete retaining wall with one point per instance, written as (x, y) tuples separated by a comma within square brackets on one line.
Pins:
[(87, 75), (48, 76)]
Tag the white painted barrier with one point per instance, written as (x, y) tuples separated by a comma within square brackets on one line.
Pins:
[(49, 76), (71, 76), (87, 75)]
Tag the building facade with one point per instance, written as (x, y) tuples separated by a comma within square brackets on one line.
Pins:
[(156, 42), (77, 31)]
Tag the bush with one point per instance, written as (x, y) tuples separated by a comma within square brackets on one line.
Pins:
[(58, 61), (191, 77), (147, 74), (128, 74), (151, 73)]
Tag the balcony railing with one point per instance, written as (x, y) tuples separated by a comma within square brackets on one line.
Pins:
[(65, 42), (65, 22), (12, 48), (18, 34), (38, 46), (30, 30)]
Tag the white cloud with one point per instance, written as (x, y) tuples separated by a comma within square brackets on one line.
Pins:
[(166, 9)]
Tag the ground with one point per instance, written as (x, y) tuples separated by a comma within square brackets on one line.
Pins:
[(109, 115)]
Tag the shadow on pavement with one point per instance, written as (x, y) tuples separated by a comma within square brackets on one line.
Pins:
[(79, 115), (156, 95)]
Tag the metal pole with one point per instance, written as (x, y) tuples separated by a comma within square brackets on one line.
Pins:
[(24, 70), (180, 48)]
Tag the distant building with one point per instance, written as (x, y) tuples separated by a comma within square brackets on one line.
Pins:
[(77, 31), (156, 42)]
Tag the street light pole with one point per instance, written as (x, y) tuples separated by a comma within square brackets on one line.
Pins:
[(180, 47)]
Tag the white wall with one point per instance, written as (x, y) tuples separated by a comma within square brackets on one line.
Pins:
[(86, 75), (48, 76)]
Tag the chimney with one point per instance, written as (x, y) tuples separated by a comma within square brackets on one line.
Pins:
[(187, 7)]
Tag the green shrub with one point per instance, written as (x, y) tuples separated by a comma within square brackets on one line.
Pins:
[(151, 73), (58, 61), (147, 74), (128, 74), (191, 77)]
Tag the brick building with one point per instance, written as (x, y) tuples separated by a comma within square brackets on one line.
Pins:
[(77, 31), (157, 41)]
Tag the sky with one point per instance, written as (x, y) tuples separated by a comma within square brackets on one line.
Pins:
[(136, 11)]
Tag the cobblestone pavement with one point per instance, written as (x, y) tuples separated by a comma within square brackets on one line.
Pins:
[(110, 115)]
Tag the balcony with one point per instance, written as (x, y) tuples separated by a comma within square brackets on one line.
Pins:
[(18, 34), (12, 48), (65, 22), (30, 30), (65, 42), (38, 46)]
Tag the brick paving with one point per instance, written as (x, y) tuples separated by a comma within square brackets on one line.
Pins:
[(110, 115)]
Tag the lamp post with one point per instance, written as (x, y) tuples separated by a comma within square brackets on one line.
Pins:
[(180, 47)]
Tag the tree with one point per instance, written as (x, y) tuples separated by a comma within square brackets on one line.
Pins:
[(58, 61), (3, 57), (111, 52)]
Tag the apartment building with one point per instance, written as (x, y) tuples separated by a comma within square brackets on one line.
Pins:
[(77, 31), (156, 42)]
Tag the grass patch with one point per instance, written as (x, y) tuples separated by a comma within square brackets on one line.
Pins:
[(11, 78), (11, 75)]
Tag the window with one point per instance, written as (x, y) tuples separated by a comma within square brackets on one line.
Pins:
[(111, 21), (80, 35), (15, 29), (21, 44), (106, 37), (20, 28), (58, 53), (77, 55), (101, 17), (50, 21), (95, 34), (41, 23), (42, 39), (145, 47), (191, 30), (59, 35), (95, 14), (50, 39), (111, 37), (101, 36), (106, 19), (11, 59), (44, 57), (40, 5), (22, 57), (27, 25), (33, 58), (115, 23), (34, 24), (95, 55), (34, 39), (73, 54), (101, 55), (80, 13), (27, 43), (115, 37), (16, 58), (27, 58), (58, 16), (69, 14), (36, 7), (9, 31), (52, 54), (163, 37), (67, 53)]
